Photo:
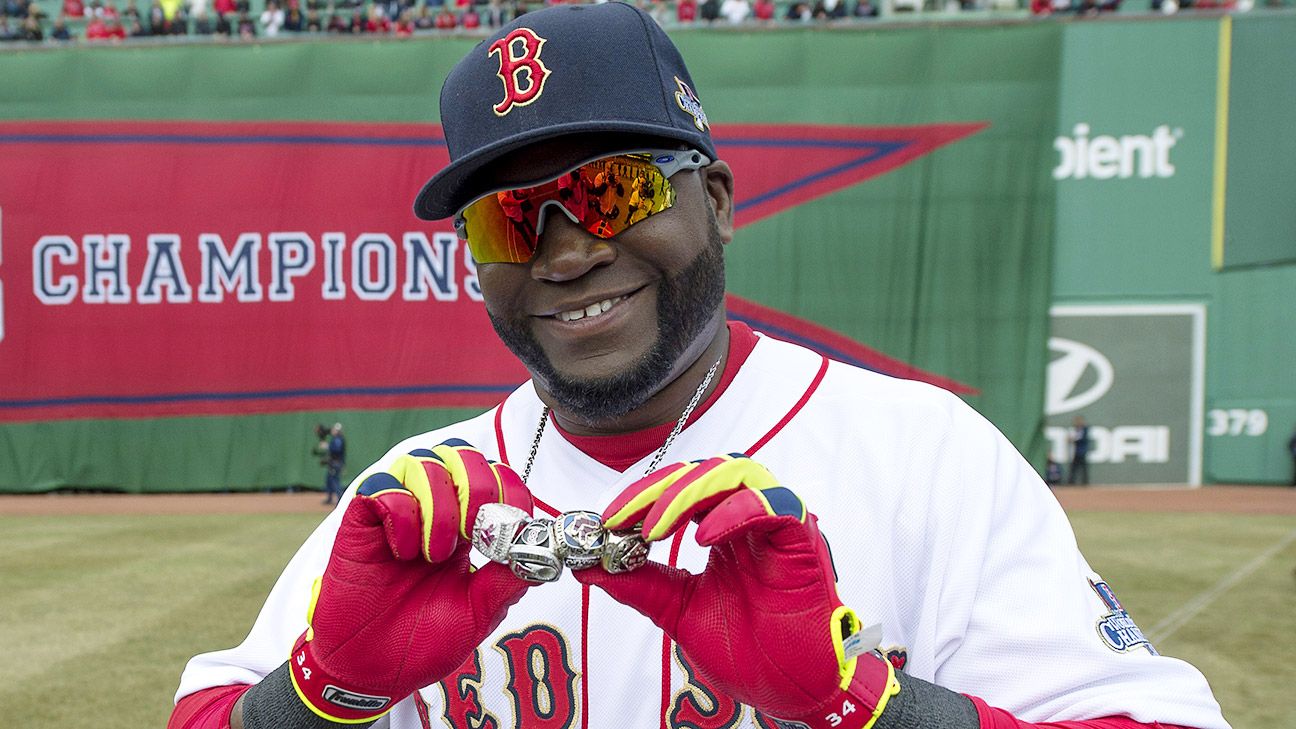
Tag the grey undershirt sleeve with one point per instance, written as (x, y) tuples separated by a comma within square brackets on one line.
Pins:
[(923, 705), (273, 704)]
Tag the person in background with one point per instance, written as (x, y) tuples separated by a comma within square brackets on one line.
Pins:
[(74, 8), (736, 11), (272, 19), (1079, 452), (1052, 472), (1291, 448), (686, 11), (764, 10), (445, 20), (865, 9), (32, 30), (294, 21), (61, 32), (334, 446)]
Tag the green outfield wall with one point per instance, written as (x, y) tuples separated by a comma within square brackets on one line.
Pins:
[(1027, 183)]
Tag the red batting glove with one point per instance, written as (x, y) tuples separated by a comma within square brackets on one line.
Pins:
[(763, 622), (399, 606)]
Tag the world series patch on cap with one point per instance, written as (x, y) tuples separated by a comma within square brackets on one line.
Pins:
[(564, 70)]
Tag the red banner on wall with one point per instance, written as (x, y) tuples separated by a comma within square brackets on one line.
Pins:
[(198, 268)]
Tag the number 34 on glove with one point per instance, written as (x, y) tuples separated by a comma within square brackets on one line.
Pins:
[(763, 622)]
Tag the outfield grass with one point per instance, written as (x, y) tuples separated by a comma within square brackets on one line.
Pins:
[(99, 614)]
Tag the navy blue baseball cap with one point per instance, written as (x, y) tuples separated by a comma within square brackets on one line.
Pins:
[(564, 70)]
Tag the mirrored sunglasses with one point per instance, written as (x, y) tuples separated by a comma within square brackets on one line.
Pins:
[(603, 196)]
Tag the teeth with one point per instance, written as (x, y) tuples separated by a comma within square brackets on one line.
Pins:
[(591, 310)]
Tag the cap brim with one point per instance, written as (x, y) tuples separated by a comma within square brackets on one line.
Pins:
[(452, 188)]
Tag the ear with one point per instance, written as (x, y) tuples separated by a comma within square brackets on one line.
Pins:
[(718, 180)]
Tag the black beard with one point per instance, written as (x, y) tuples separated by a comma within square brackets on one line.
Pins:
[(685, 304)]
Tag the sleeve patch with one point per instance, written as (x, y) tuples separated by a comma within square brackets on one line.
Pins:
[(1116, 628)]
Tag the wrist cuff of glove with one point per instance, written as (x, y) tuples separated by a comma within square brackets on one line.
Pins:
[(326, 697), (857, 705)]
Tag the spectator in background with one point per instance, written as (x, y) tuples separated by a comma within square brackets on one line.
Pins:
[(764, 10), (294, 21), (224, 28), (224, 7), (736, 11), (1052, 472), (686, 11), (519, 8), (357, 23), (470, 19), (829, 10), (202, 23), (16, 9), (61, 32), (32, 29), (73, 8), (1079, 452), (96, 30), (405, 24), (314, 23), (246, 29), (445, 20), (129, 13), (1291, 448), (709, 11), (179, 23), (157, 21), (134, 29), (272, 19), (6, 33), (865, 9), (377, 22), (798, 11), (495, 15), (423, 20), (334, 464)]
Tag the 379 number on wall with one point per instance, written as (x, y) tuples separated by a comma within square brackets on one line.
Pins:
[(1237, 421)]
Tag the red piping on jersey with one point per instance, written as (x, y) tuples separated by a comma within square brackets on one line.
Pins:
[(805, 397), (673, 561), (585, 611)]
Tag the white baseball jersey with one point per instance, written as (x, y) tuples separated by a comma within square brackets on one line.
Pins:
[(940, 532)]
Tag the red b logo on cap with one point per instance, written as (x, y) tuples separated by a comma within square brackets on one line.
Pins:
[(520, 68)]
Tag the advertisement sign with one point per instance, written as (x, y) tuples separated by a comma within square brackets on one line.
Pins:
[(170, 268), (1134, 373)]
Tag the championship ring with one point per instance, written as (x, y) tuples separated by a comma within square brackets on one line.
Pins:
[(532, 556), (494, 529), (578, 538), (624, 551)]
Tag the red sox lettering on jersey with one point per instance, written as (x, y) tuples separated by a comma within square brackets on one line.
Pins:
[(520, 68)]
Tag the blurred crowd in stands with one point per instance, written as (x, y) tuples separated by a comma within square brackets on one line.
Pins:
[(112, 21)]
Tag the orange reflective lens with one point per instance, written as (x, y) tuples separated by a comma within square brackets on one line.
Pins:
[(604, 196)]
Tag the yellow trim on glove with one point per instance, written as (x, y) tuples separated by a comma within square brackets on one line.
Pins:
[(327, 717), (310, 608), (645, 498), (454, 464), (409, 471), (731, 475), (892, 688), (846, 668)]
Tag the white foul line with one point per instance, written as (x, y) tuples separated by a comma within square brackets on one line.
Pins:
[(1177, 619)]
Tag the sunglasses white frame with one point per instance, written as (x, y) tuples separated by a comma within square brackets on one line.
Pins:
[(667, 161)]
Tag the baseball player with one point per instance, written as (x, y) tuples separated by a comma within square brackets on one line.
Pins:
[(831, 548)]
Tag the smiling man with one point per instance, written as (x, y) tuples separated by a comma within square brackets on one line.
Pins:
[(584, 180)]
